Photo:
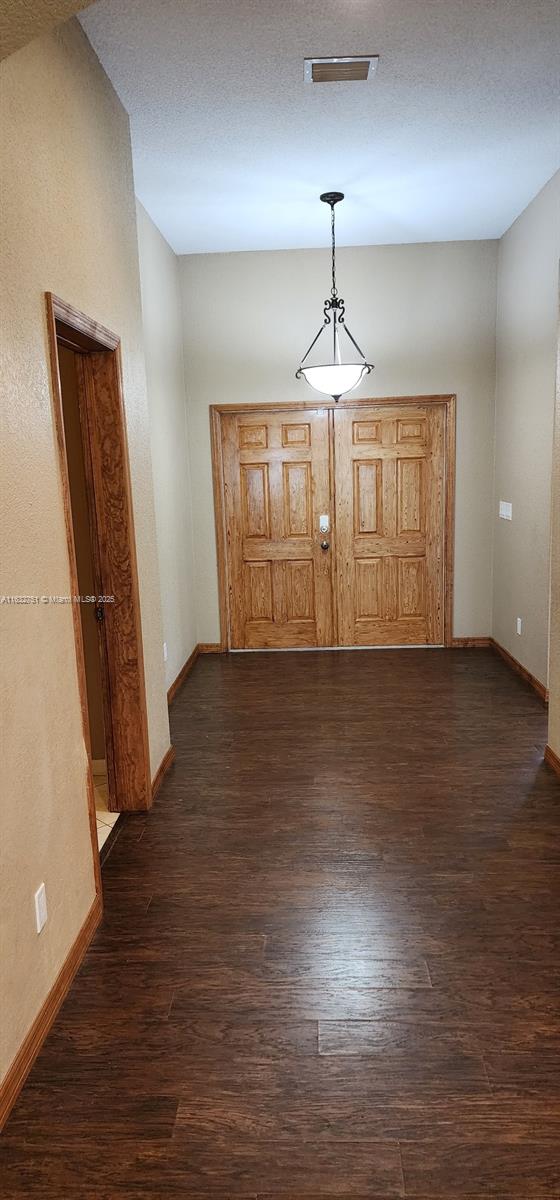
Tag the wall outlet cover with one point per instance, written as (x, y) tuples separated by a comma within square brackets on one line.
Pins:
[(506, 510)]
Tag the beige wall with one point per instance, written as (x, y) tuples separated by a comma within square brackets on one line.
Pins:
[(22, 20), (68, 225), (426, 316), (163, 345), (554, 661), (527, 316)]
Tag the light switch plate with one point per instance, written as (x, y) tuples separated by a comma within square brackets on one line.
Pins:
[(40, 907), (506, 510)]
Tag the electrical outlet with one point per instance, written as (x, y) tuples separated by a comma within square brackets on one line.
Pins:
[(506, 510), (40, 907), (165, 651), (519, 625)]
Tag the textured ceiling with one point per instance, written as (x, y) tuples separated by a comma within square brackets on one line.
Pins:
[(23, 20), (457, 132)]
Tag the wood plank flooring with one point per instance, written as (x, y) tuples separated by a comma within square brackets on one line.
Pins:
[(329, 959)]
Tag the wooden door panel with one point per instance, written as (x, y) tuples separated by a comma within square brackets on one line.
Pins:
[(258, 590), (411, 587), (276, 484), (252, 437), (299, 590), (411, 431), (298, 506), (371, 546), (369, 589), (389, 474), (366, 431), (255, 496), (368, 502), (410, 495), (296, 434), (268, 635), (404, 632), (265, 550)]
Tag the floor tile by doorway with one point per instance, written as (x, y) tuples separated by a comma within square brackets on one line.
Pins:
[(105, 819)]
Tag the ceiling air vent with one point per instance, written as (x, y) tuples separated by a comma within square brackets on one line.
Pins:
[(340, 70)]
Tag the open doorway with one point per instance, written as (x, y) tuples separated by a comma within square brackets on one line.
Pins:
[(93, 455), (91, 604)]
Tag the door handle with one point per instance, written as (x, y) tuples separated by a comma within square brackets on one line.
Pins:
[(325, 545)]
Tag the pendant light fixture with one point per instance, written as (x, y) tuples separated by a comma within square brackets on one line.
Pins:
[(336, 372)]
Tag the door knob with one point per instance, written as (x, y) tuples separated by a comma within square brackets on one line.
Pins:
[(324, 545)]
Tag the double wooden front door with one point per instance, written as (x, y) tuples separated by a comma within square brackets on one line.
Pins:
[(335, 525)]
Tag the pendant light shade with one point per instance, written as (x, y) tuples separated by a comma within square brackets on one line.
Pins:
[(336, 379), (338, 369)]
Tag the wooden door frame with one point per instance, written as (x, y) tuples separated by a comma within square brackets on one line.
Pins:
[(101, 398), (217, 411)]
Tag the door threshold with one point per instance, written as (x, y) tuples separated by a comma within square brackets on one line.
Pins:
[(328, 649)]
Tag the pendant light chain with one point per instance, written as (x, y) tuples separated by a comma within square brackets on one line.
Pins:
[(333, 289)]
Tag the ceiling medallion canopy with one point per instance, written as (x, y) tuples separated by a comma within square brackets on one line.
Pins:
[(335, 373)]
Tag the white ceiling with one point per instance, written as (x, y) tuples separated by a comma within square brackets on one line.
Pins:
[(456, 134)]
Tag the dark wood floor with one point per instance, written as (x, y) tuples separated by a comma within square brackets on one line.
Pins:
[(329, 960)]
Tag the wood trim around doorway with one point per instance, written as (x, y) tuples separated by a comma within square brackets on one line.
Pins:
[(110, 501), (219, 410), (56, 390)]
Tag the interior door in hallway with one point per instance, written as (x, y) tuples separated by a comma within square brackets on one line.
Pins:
[(276, 471), (390, 477)]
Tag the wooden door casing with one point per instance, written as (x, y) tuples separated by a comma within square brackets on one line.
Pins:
[(276, 484), (130, 785), (418, 573), (389, 480), (103, 424)]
